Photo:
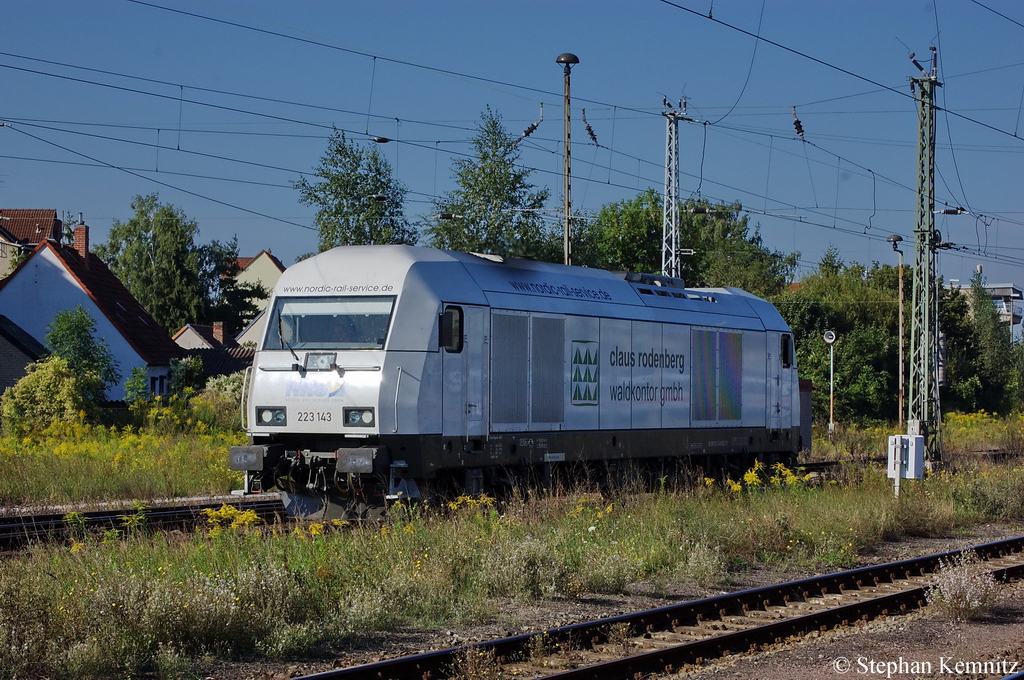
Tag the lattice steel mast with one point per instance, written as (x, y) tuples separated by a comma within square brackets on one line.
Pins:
[(923, 414), (670, 207)]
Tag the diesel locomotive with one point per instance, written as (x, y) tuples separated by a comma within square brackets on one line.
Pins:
[(398, 372)]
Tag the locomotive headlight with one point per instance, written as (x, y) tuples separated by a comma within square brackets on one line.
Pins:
[(271, 415), (359, 417), (320, 361)]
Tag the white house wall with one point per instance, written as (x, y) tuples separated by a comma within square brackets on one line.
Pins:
[(44, 287), (261, 271), (8, 251)]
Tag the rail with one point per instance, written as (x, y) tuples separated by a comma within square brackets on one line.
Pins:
[(17, 531)]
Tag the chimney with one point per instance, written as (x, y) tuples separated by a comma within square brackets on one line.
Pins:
[(218, 331), (82, 241)]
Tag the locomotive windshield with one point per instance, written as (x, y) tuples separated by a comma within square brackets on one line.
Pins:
[(329, 323)]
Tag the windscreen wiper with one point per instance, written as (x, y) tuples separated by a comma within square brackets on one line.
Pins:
[(297, 366)]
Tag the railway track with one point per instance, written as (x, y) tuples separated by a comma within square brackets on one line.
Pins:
[(673, 638), (18, 531)]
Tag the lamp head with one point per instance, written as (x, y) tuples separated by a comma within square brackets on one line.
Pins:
[(567, 60)]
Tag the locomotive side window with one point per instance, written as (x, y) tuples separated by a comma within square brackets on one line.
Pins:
[(786, 351), (450, 333), (329, 323)]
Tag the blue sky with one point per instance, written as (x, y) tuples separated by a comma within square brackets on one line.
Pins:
[(219, 106)]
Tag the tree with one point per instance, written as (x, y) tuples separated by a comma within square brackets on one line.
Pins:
[(51, 391), (727, 252), (176, 280), (495, 209), (136, 387), (70, 336), (186, 376), (994, 359), (624, 236), (860, 305), (358, 201), (961, 384), (628, 236)]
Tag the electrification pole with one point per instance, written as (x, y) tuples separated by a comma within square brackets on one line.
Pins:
[(923, 414), (670, 209), (670, 206)]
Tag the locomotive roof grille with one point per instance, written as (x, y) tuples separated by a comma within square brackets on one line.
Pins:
[(679, 295)]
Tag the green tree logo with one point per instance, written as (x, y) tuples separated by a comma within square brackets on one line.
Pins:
[(585, 373)]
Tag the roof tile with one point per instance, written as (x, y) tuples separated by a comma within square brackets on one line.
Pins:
[(30, 226), (136, 325)]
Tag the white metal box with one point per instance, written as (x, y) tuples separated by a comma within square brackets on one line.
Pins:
[(906, 456)]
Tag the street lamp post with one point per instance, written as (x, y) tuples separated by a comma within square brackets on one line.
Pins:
[(895, 240), (568, 61)]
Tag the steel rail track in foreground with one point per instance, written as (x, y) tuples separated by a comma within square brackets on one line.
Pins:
[(18, 531), (667, 639)]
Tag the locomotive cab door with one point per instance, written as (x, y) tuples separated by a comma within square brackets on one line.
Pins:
[(781, 368), (464, 336)]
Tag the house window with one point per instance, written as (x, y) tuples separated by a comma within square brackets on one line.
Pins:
[(158, 384)]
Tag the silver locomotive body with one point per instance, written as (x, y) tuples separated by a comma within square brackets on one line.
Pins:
[(391, 372)]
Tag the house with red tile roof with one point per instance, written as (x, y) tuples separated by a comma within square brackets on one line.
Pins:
[(200, 336), (264, 269), (219, 352), (21, 230), (57, 276)]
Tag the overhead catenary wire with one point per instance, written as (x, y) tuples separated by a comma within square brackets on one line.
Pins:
[(799, 219), (165, 184), (181, 98), (855, 229), (281, 118), (639, 160)]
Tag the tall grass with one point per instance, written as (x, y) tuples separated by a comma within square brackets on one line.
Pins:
[(75, 462), (111, 605), (103, 608)]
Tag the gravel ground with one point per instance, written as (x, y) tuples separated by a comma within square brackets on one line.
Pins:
[(928, 645)]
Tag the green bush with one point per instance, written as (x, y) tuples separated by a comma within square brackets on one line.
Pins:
[(50, 392), (216, 407), (186, 375), (219, 405)]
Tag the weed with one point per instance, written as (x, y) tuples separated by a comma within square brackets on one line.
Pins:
[(76, 523), (171, 664), (539, 647), (231, 517), (136, 521), (618, 639), (475, 663), (705, 563), (72, 462), (964, 589)]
